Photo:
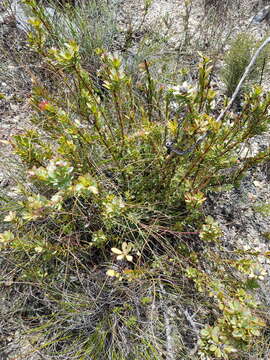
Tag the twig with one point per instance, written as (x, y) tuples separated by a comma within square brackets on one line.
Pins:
[(170, 346), (189, 319), (163, 229)]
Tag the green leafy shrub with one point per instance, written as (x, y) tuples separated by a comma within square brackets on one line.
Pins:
[(112, 209)]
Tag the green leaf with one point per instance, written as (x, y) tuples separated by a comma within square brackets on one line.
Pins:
[(255, 332), (215, 334), (218, 353), (205, 332), (252, 284), (213, 348)]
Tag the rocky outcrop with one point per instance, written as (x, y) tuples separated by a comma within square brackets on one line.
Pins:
[(262, 15)]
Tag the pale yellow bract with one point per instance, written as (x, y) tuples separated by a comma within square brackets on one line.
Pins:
[(124, 253)]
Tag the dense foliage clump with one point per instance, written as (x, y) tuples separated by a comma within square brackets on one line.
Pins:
[(109, 229)]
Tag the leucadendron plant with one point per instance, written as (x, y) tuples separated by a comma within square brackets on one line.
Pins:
[(118, 170)]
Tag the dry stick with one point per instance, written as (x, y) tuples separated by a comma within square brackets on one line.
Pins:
[(170, 343), (234, 96), (189, 319)]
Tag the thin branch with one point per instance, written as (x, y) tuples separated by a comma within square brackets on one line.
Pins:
[(170, 345), (192, 323)]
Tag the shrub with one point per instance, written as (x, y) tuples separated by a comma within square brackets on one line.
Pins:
[(109, 224)]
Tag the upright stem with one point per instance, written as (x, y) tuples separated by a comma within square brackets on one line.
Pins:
[(119, 115), (150, 91)]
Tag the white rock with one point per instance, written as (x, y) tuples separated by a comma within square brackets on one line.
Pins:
[(21, 16)]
